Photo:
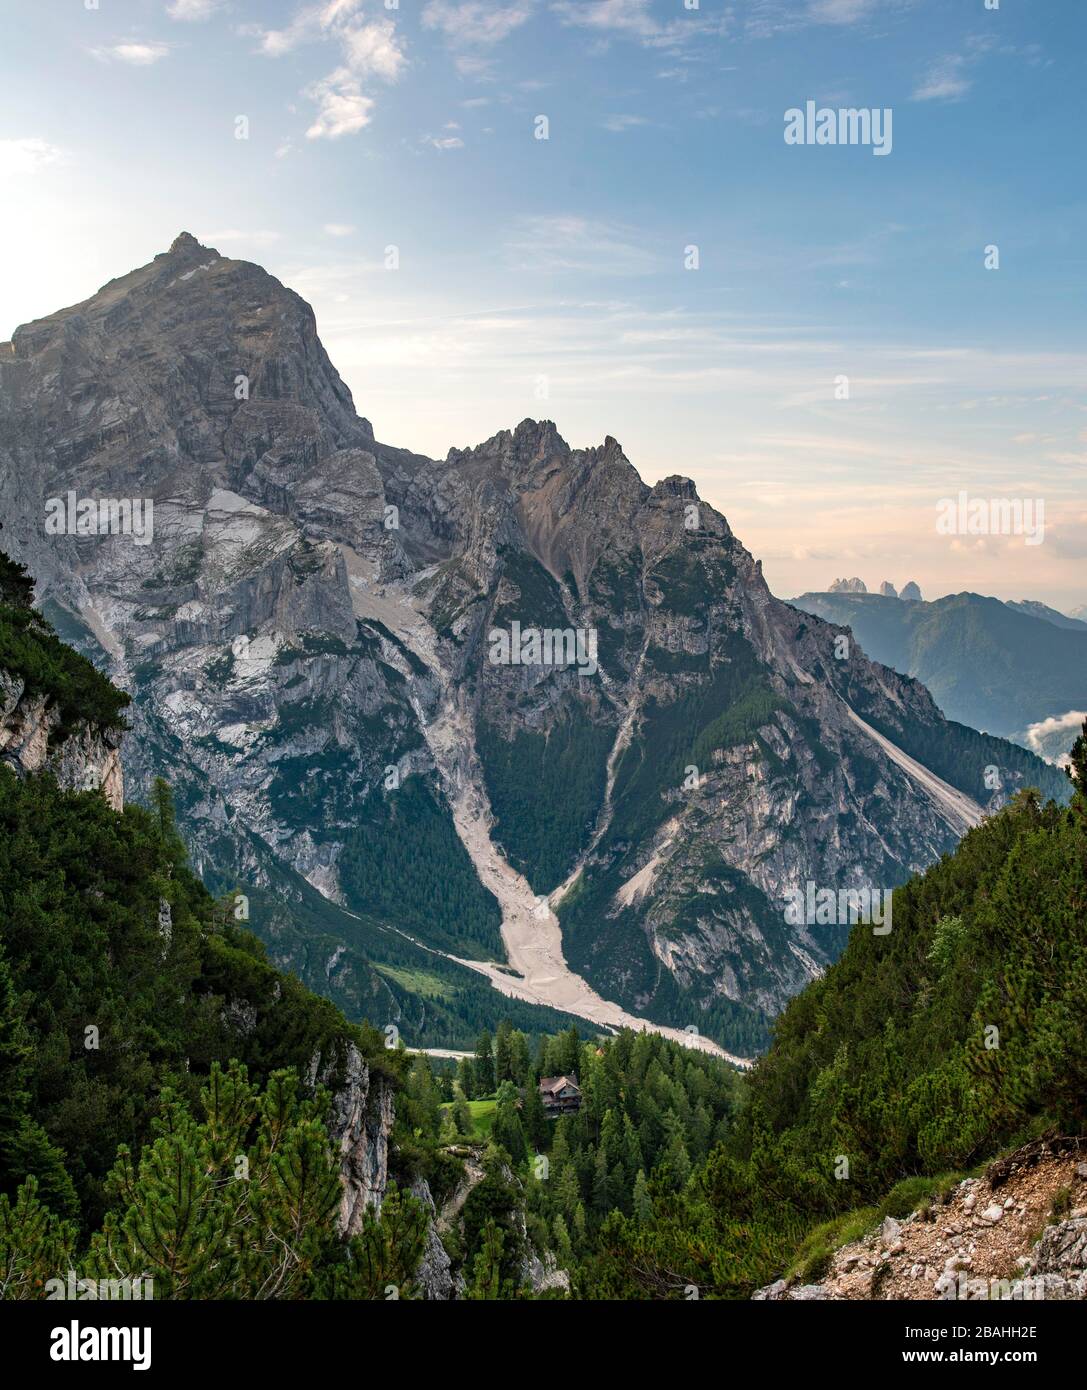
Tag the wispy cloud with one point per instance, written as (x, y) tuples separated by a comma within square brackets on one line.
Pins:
[(342, 106), (841, 11), (27, 156), (192, 11), (1055, 735), (307, 24), (569, 243), (474, 27), (766, 19), (136, 53), (339, 229), (946, 80), (369, 49), (374, 50), (634, 19), (624, 16), (620, 123)]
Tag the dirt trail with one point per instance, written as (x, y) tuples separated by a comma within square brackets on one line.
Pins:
[(537, 971)]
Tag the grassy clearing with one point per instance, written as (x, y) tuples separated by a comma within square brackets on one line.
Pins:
[(482, 1116), (418, 981)]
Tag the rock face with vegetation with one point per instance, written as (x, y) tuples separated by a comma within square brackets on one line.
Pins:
[(307, 641), (1018, 1232), (57, 713), (930, 1077)]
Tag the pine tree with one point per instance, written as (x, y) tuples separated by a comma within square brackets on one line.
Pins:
[(579, 1228), (632, 1149), (569, 1052), (487, 1282), (241, 1204), (25, 1148), (520, 1062), (566, 1189), (422, 1096), (35, 1245), (611, 1137), (564, 1251), (675, 1161), (506, 1129), (382, 1260), (466, 1075), (1077, 771), (484, 1077), (462, 1114), (534, 1116), (16, 584), (643, 1203), (503, 1052), (601, 1189)]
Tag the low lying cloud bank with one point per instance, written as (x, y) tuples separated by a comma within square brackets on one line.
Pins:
[(1052, 738)]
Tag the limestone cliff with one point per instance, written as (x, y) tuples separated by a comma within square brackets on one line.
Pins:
[(82, 760)]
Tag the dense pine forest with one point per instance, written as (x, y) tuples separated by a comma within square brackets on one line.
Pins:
[(168, 1099)]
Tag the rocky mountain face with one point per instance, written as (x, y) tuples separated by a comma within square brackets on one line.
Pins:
[(426, 715)]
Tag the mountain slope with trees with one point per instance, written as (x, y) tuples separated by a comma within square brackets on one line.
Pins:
[(918, 1054), (991, 665)]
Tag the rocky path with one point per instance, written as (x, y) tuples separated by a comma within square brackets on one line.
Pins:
[(1018, 1232)]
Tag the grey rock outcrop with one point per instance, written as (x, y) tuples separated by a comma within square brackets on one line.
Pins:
[(360, 1123), (848, 586), (1060, 1260), (84, 759), (911, 592), (435, 1273)]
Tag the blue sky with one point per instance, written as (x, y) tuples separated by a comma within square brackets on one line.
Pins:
[(547, 277)]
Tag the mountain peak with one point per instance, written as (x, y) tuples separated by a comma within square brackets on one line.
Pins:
[(185, 241), (676, 486)]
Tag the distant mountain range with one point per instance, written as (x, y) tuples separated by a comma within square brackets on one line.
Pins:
[(510, 718), (1034, 609), (1003, 667)]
